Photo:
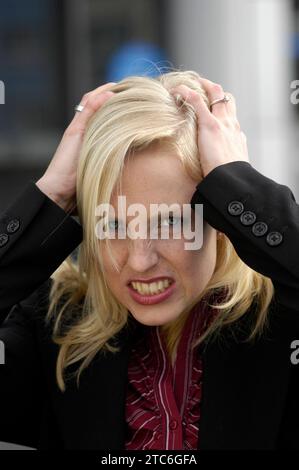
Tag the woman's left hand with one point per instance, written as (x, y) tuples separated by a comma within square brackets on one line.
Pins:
[(220, 139)]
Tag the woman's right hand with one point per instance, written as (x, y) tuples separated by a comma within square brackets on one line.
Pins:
[(59, 180)]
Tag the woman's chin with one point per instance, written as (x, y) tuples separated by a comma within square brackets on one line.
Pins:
[(155, 319)]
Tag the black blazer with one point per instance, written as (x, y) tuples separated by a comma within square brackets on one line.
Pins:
[(250, 396)]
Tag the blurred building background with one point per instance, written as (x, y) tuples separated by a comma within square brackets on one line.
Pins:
[(53, 51)]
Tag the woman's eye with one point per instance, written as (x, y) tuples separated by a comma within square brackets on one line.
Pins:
[(172, 221), (114, 225)]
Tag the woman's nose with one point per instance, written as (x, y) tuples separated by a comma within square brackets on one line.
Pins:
[(142, 254)]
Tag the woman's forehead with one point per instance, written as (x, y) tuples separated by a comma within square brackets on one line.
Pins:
[(154, 176)]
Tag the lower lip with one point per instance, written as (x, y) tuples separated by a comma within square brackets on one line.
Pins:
[(151, 299)]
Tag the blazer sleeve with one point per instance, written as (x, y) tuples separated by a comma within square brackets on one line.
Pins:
[(261, 219), (36, 235)]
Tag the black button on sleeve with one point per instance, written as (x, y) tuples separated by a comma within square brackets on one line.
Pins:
[(235, 208), (13, 225), (3, 239), (247, 218), (274, 238), (259, 229)]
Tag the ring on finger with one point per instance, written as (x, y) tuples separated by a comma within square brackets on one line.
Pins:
[(225, 99), (79, 108)]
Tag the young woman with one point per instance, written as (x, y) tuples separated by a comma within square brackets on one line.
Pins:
[(140, 343)]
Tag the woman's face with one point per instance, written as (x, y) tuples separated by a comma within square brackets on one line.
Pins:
[(156, 176)]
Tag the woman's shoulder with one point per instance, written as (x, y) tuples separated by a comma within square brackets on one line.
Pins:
[(40, 296), (36, 305), (33, 308)]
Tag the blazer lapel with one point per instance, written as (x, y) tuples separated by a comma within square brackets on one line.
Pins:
[(93, 416), (245, 387)]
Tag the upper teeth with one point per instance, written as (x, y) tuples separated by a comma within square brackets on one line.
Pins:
[(152, 288)]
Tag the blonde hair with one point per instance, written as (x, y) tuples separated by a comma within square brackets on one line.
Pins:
[(85, 313)]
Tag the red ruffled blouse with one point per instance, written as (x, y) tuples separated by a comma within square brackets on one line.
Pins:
[(163, 401)]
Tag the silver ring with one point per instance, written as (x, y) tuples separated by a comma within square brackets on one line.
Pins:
[(79, 108), (220, 100)]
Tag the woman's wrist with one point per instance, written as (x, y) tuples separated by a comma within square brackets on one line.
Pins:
[(64, 202)]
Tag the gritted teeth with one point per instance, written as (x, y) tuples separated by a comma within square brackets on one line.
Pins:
[(151, 288)]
